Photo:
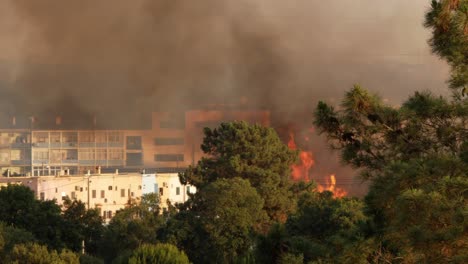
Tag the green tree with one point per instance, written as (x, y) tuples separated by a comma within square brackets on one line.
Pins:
[(229, 211), (219, 225), (32, 253), (11, 236), (448, 20), (18, 207), (252, 152), (81, 225), (410, 153), (131, 227), (321, 230), (158, 254)]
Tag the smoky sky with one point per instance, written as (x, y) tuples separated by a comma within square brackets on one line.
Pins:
[(92, 56)]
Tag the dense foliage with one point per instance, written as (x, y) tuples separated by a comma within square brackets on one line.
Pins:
[(448, 20), (252, 152), (158, 254)]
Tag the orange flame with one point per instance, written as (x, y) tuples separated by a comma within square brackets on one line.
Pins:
[(300, 171), (331, 186)]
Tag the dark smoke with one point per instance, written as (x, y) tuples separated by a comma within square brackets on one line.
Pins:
[(143, 54), (172, 54)]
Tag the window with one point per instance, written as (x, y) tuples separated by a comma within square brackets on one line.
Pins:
[(55, 155), (133, 142), (42, 196), (109, 214), (103, 194), (115, 137), (134, 159), (15, 154), (169, 157), (177, 190), (122, 192), (210, 124), (94, 193), (87, 137), (86, 154), (100, 137), (104, 215), (101, 154), (56, 190), (115, 154), (40, 137), (41, 155), (109, 188), (139, 187), (70, 137), (73, 195), (132, 194), (161, 191), (171, 124), (54, 137), (70, 154), (168, 141)]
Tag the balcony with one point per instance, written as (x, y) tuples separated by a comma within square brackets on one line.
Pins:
[(115, 162), (40, 161), (40, 145), (115, 144), (69, 144), (70, 161), (87, 144), (55, 145), (87, 162), (20, 162), (20, 145)]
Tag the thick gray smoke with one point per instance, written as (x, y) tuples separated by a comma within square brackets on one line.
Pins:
[(92, 56)]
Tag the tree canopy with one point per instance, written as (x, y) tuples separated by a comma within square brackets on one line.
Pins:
[(252, 152), (448, 20)]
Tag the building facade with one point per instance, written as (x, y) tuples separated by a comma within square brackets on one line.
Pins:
[(106, 192), (170, 145), (171, 191)]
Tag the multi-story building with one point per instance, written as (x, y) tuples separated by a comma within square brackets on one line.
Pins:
[(169, 145), (106, 192), (171, 190)]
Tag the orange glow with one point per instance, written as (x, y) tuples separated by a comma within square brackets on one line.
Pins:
[(301, 170)]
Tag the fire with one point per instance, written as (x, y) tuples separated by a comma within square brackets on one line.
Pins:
[(301, 170), (331, 186)]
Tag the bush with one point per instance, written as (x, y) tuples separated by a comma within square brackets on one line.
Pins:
[(158, 254)]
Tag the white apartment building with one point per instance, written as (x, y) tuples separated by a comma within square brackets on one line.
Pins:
[(171, 190), (106, 192)]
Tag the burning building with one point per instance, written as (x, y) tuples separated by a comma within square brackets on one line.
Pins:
[(171, 143)]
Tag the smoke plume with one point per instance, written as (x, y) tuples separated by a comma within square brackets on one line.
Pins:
[(92, 56)]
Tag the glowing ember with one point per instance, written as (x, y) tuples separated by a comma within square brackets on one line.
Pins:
[(301, 170)]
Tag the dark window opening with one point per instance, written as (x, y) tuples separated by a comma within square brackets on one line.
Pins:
[(169, 141), (169, 157)]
